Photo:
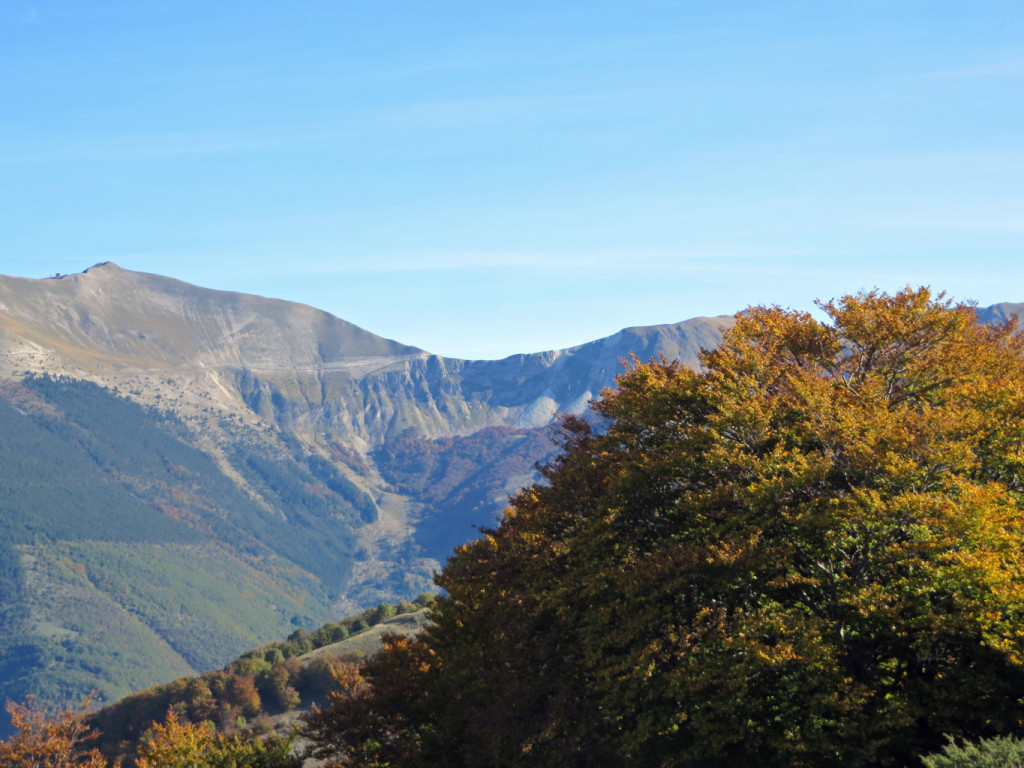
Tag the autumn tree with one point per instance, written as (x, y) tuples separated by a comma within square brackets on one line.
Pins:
[(808, 553), (177, 744), (392, 721), (45, 739)]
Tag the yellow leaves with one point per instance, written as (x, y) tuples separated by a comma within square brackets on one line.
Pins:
[(731, 551), (49, 740), (177, 744), (349, 683), (174, 744), (765, 343)]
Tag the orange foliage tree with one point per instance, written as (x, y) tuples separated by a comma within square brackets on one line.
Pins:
[(49, 739), (808, 553), (379, 724)]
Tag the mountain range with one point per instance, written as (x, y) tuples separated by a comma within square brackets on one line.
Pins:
[(186, 473)]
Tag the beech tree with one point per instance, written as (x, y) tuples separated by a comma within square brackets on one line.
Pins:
[(808, 553)]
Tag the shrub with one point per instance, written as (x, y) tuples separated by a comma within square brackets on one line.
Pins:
[(1001, 752)]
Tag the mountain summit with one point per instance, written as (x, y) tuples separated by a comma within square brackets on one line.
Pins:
[(110, 318)]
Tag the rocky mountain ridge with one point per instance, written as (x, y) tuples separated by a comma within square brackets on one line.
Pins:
[(295, 367)]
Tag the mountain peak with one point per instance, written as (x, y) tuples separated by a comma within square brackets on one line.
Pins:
[(103, 267)]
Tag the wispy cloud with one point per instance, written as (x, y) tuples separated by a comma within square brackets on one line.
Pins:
[(465, 115), (1010, 65), (655, 264), (967, 222)]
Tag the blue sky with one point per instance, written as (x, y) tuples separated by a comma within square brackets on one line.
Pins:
[(480, 179)]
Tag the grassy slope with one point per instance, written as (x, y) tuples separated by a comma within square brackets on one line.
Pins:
[(302, 663), (368, 642)]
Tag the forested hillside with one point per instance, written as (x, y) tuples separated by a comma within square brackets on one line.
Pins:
[(262, 691), (130, 556)]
